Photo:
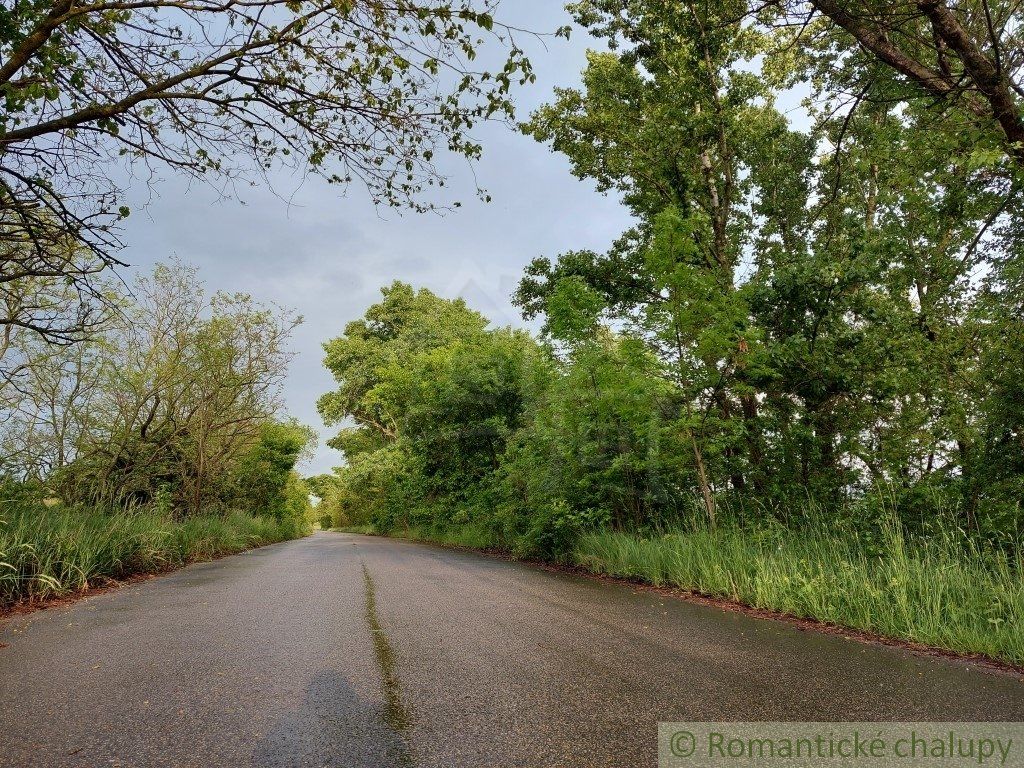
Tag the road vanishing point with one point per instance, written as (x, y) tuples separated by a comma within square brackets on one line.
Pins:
[(339, 650)]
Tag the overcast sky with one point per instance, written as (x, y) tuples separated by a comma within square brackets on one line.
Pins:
[(326, 254)]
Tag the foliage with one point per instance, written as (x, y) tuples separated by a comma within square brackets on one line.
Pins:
[(434, 397), (941, 590), (824, 303), (964, 56), (264, 478), (367, 92), (171, 403), (802, 362), (48, 551), (364, 91)]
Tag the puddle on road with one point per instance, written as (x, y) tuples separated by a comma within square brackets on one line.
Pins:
[(396, 714)]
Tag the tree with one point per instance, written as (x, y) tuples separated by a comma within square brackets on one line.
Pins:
[(597, 445), (50, 292), (45, 397), (681, 131), (964, 57), (817, 298), (173, 401), (187, 387), (263, 477), (405, 324), (920, 196), (434, 396), (215, 89), (48, 373)]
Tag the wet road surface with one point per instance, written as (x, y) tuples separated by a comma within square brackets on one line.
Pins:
[(341, 650)]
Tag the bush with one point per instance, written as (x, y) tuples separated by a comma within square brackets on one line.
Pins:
[(326, 522), (553, 531)]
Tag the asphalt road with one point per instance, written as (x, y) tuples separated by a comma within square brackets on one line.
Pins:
[(340, 650)]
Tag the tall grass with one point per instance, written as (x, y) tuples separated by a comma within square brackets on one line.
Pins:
[(54, 551), (944, 590), (932, 583), (468, 536)]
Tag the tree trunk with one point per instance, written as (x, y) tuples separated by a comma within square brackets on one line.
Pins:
[(702, 479)]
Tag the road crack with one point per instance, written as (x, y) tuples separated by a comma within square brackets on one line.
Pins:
[(396, 714)]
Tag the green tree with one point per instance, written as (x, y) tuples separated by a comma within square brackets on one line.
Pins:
[(198, 86), (183, 386), (816, 298), (965, 56), (367, 92), (264, 479), (434, 396), (683, 133)]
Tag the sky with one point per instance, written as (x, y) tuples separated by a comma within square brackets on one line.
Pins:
[(325, 252)]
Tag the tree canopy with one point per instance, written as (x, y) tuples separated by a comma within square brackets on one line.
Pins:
[(804, 316), (366, 92)]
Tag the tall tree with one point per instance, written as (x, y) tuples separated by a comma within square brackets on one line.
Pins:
[(434, 396), (965, 57), (670, 120), (215, 89), (187, 386)]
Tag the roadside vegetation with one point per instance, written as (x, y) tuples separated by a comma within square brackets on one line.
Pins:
[(795, 382), (140, 421), (50, 552), (942, 590), (151, 443), (494, 442)]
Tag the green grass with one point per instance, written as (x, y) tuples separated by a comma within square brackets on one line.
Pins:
[(368, 530), (943, 591), (468, 536), (55, 551)]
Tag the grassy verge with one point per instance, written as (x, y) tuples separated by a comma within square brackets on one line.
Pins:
[(368, 530), (944, 590), (467, 537), (52, 552), (939, 591)]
